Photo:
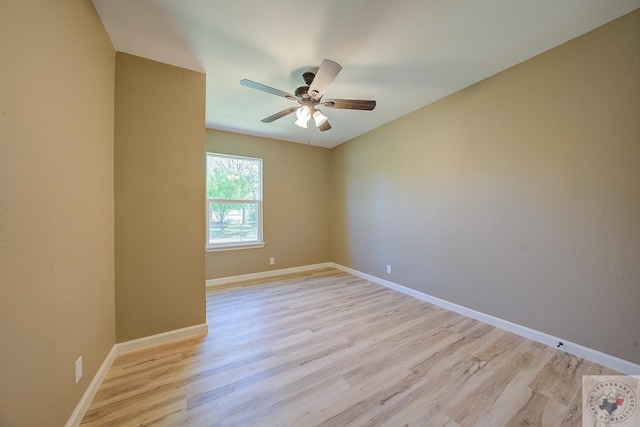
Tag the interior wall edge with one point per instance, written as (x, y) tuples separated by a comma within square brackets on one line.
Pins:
[(85, 401), (604, 359), (211, 283), (126, 347)]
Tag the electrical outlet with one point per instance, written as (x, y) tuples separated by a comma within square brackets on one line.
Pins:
[(388, 269), (272, 261), (78, 369)]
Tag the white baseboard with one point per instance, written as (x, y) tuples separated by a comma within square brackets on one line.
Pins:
[(165, 337), (126, 347), (263, 274), (578, 350), (90, 392)]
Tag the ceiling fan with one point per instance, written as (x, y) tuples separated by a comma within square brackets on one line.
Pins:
[(310, 97)]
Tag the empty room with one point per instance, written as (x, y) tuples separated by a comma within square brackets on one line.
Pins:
[(296, 213)]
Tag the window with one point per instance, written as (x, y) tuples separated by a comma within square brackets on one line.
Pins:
[(234, 202)]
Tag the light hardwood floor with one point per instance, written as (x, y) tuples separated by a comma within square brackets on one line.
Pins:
[(326, 348)]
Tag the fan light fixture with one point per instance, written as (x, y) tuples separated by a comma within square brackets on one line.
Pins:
[(304, 114), (319, 118)]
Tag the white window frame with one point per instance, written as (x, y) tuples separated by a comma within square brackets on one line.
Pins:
[(259, 242)]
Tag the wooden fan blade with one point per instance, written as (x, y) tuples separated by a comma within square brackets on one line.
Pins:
[(326, 73), (279, 115), (268, 89), (349, 104), (325, 126)]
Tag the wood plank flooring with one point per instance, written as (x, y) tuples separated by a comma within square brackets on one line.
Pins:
[(326, 348)]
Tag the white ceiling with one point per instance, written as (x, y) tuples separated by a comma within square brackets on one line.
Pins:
[(403, 53)]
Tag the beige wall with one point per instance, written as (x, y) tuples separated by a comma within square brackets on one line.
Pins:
[(296, 185), (56, 206), (518, 197), (159, 204)]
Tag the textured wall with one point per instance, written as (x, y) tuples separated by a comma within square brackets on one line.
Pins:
[(56, 207), (518, 197), (159, 204), (296, 185)]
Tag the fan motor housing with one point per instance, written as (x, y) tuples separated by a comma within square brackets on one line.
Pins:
[(302, 91)]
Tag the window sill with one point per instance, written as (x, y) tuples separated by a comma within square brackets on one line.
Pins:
[(234, 247)]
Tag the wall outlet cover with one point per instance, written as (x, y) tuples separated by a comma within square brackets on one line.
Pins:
[(78, 369)]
